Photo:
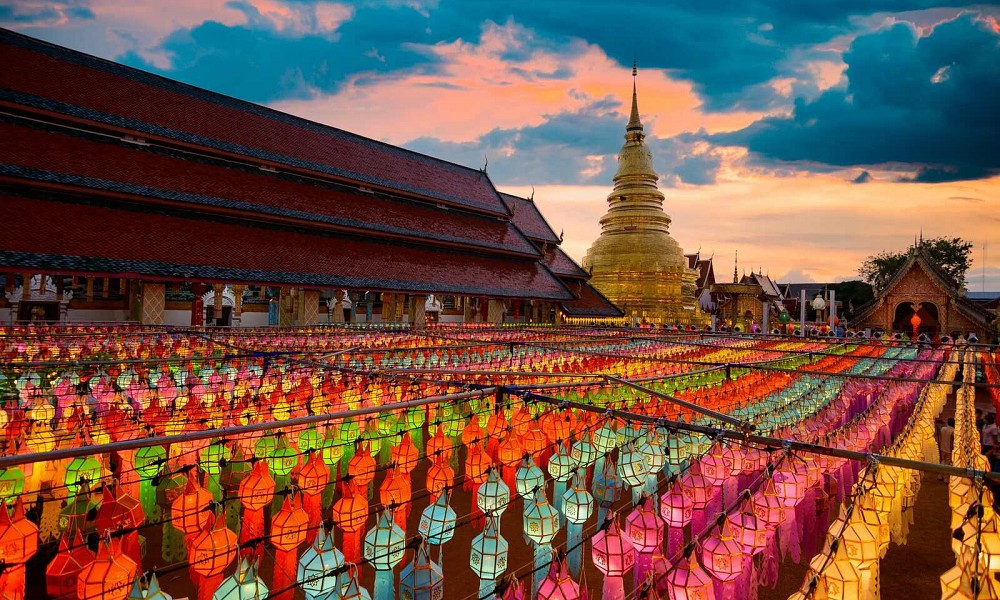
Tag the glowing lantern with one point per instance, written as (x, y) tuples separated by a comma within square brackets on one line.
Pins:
[(558, 584), (82, 469), (317, 566), (439, 477), (63, 571), (688, 581), (644, 528), (541, 524), (18, 543), (723, 557), (613, 555), (583, 451), (488, 557), (383, 549), (188, 512), (632, 469), (350, 512), (561, 467), (362, 468), (493, 496), (288, 532), (529, 478), (149, 462), (242, 585), (747, 530), (122, 513), (108, 577), (577, 507), (839, 579), (256, 492), (437, 521), (421, 579), (151, 592), (313, 479), (607, 488), (211, 553)]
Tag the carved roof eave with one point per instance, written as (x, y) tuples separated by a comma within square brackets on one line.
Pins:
[(940, 278)]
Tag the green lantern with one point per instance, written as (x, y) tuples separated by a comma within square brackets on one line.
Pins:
[(82, 468), (11, 484)]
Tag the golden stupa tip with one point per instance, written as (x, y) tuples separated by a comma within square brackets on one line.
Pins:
[(634, 124)]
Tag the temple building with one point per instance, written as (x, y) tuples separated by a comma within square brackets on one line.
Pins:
[(125, 196), (635, 263), (922, 296)]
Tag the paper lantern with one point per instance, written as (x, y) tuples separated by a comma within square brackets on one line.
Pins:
[(493, 496), (242, 585), (151, 591), (439, 477), (577, 507), (288, 532), (529, 477), (256, 492), (689, 581), (605, 439), (383, 549), (488, 557), (108, 577), (583, 451), (613, 555), (350, 512), (632, 468), (437, 521), (188, 512), (748, 531), (558, 584), (723, 557), (422, 578), (62, 573), (607, 488), (317, 567), (212, 551), (82, 469), (541, 523), (354, 590)]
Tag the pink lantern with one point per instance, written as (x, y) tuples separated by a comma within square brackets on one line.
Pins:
[(645, 529), (688, 581), (558, 585), (613, 555), (724, 558)]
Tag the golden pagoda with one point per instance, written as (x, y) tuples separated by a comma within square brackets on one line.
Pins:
[(635, 262)]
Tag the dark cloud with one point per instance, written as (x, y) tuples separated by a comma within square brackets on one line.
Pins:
[(256, 62), (25, 14), (923, 104), (863, 177)]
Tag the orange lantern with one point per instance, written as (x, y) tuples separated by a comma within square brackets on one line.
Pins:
[(439, 477), (256, 492), (313, 479), (122, 512), (108, 577), (188, 512), (288, 532), (362, 466), (18, 543), (350, 512), (211, 553), (63, 572), (395, 493)]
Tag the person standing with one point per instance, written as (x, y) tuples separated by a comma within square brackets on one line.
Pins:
[(946, 442)]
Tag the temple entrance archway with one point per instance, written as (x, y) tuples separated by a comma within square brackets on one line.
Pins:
[(930, 322)]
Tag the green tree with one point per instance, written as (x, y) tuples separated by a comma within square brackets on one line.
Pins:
[(952, 255), (851, 295)]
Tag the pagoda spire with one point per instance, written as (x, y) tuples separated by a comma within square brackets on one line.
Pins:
[(634, 124), (736, 265)]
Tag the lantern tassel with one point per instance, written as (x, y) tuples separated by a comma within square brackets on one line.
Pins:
[(313, 505), (557, 501), (384, 586), (478, 518), (252, 529), (487, 587), (208, 585), (285, 563), (574, 541), (352, 546), (543, 556), (614, 588)]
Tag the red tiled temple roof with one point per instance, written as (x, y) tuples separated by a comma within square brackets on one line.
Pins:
[(51, 235), (110, 165), (590, 302), (561, 264), (43, 78), (528, 219)]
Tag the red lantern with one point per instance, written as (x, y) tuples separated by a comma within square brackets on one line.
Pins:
[(63, 572), (439, 477), (313, 479), (350, 512), (108, 577), (122, 512), (188, 512)]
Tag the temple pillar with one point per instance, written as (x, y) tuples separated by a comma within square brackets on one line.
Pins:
[(418, 311), (26, 286), (197, 304), (90, 289), (467, 314), (217, 289), (238, 291), (154, 299)]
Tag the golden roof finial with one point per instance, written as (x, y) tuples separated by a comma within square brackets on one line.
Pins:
[(634, 124)]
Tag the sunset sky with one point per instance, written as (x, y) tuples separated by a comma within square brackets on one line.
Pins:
[(804, 134)]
